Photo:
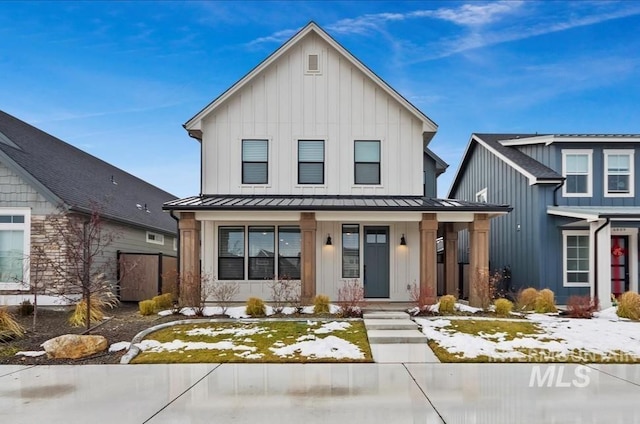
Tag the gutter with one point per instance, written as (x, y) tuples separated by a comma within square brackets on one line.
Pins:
[(595, 265), (555, 192)]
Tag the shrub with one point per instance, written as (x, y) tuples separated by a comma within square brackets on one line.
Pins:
[(545, 302), (163, 301), (484, 285), (503, 307), (422, 297), (527, 299), (321, 304), (147, 307), (256, 307), (284, 291), (99, 301), (25, 308), (351, 298), (447, 304), (223, 292), (9, 327), (581, 306), (629, 306)]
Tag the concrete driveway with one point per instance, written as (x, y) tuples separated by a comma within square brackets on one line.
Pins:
[(391, 393)]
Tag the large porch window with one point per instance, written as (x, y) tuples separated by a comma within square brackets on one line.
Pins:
[(350, 251), (260, 263), (576, 258), (14, 247)]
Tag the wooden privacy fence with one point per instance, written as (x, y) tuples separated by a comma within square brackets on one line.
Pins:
[(144, 275)]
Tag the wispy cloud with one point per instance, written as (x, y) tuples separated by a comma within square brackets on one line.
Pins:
[(277, 37)]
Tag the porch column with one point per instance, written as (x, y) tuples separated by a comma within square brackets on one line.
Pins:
[(189, 287), (428, 254), (451, 259), (478, 257), (308, 227)]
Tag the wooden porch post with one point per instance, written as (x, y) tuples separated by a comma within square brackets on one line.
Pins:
[(308, 227), (189, 258), (478, 257), (428, 254), (451, 260)]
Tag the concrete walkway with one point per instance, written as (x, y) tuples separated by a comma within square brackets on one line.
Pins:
[(313, 393)]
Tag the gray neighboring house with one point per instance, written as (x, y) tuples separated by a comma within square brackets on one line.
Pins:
[(575, 220), (40, 173)]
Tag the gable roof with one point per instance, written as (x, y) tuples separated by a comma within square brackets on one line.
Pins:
[(533, 170), (66, 175), (441, 165), (193, 125)]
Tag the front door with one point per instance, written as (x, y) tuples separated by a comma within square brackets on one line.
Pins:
[(619, 264), (376, 262)]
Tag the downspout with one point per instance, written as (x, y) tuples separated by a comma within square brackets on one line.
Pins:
[(595, 257), (178, 244), (555, 191)]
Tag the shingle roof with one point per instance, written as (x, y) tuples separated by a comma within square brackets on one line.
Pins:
[(77, 178), (334, 203), (528, 163)]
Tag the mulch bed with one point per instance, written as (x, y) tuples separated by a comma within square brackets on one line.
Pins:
[(123, 324)]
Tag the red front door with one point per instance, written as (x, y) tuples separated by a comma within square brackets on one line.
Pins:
[(619, 264)]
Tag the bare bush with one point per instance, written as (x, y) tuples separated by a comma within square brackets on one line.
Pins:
[(582, 306), (195, 298), (422, 297), (285, 292), (351, 298), (484, 285), (223, 292)]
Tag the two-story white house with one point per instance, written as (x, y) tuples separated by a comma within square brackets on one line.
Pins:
[(314, 168)]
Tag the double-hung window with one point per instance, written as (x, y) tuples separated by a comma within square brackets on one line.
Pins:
[(618, 173), (261, 253), (289, 252), (310, 161), (350, 251), (14, 247), (576, 257), (255, 161), (367, 162), (577, 169), (231, 253)]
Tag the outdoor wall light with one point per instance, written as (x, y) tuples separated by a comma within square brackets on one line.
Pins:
[(403, 241), (328, 242)]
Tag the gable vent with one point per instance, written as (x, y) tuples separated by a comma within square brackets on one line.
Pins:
[(313, 63)]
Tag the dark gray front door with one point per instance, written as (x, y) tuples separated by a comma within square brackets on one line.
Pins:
[(376, 262)]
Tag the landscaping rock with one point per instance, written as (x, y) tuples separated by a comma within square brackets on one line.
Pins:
[(73, 346)]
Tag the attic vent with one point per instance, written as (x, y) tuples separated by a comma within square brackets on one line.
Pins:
[(313, 64)]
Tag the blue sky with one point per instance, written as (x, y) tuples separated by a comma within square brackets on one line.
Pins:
[(118, 79)]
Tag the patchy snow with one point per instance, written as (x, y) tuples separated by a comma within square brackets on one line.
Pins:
[(332, 326), (614, 340), (333, 309), (216, 331), (179, 345), (329, 347), (117, 347), (31, 353)]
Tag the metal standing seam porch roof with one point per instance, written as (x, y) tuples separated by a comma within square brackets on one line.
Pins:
[(333, 203)]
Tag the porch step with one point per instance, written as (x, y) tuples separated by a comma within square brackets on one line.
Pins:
[(395, 336), (387, 315), (390, 324)]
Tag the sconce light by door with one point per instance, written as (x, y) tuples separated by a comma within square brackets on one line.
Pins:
[(328, 242), (403, 241)]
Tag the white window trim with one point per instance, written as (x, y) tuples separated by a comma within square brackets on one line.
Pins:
[(630, 153), (297, 156), (26, 228), (565, 234), (269, 161), (481, 193), (159, 238), (589, 153), (353, 163), (308, 71)]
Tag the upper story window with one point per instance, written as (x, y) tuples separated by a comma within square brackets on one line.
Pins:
[(481, 196), (255, 160), (577, 169), (367, 162), (155, 238), (310, 161), (618, 171)]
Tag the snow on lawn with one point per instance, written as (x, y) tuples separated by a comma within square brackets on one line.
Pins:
[(240, 311), (329, 347), (561, 337)]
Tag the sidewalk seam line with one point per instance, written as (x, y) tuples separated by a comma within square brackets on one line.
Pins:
[(611, 375), (424, 394)]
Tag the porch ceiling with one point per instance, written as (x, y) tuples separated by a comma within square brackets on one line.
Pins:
[(331, 203)]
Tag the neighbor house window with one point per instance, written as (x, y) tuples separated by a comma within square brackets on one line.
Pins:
[(311, 162), (576, 258), (350, 251), (14, 247), (576, 168), (481, 196), (231, 253), (289, 243), (367, 162), (255, 160), (155, 238), (618, 173), (261, 253)]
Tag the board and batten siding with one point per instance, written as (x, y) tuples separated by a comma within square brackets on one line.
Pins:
[(514, 238), (340, 104)]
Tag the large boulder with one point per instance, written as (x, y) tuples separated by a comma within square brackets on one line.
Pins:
[(74, 346)]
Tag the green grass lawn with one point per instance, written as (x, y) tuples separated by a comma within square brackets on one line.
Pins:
[(256, 342)]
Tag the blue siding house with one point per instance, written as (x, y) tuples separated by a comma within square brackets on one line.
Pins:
[(576, 214)]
